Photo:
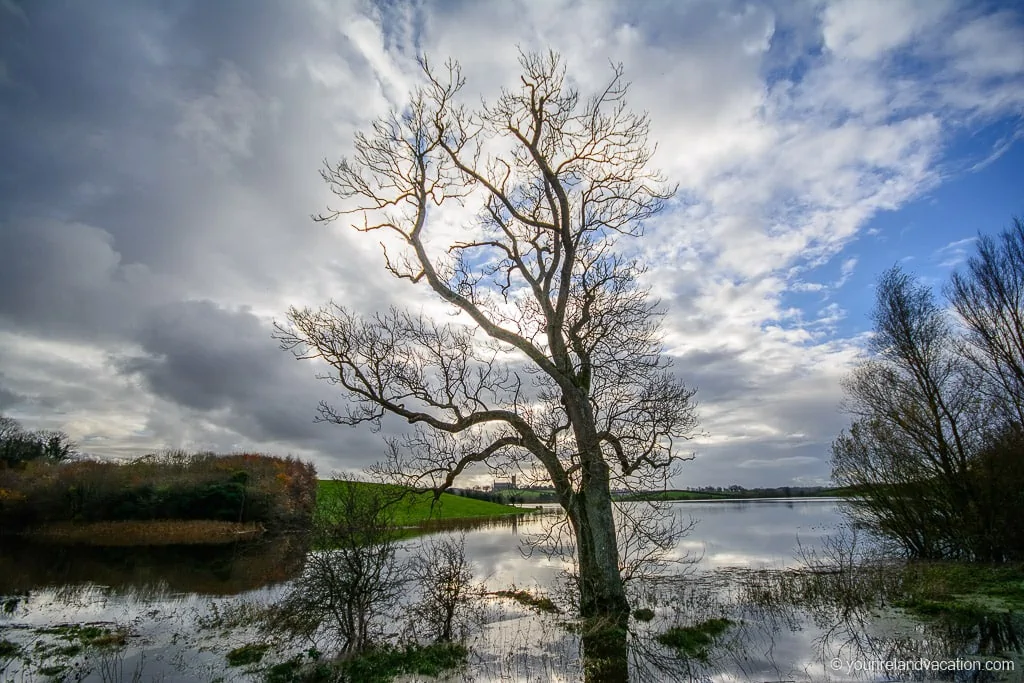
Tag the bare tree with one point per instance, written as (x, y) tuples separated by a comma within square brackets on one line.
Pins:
[(917, 423), (555, 357), (353, 580), (18, 446), (989, 298), (934, 452), (448, 596)]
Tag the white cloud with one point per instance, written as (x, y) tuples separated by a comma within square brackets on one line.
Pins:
[(788, 129), (954, 253), (868, 29)]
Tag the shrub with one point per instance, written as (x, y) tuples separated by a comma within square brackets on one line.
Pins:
[(279, 492)]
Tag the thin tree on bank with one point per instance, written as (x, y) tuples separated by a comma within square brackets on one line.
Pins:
[(554, 360)]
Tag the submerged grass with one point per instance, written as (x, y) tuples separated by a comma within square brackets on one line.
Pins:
[(694, 641), (87, 635), (541, 603), (934, 588), (643, 614), (926, 589), (9, 649)]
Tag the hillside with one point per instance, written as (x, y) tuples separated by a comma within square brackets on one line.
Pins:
[(421, 507)]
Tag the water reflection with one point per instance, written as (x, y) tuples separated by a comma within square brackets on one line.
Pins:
[(743, 547), (227, 569)]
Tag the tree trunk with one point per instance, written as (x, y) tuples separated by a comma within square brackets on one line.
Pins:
[(601, 590), (603, 604)]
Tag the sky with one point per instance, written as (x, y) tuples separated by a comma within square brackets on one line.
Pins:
[(159, 163)]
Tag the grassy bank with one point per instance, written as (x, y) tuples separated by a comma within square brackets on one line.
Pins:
[(931, 588), (187, 499), (411, 509)]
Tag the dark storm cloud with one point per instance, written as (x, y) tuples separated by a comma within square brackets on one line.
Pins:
[(127, 118), (165, 156), (8, 398), (204, 358), (65, 280)]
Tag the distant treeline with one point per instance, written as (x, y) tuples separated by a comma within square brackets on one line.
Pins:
[(278, 492), (509, 496), (527, 496)]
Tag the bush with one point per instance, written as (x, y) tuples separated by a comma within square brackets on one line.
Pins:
[(278, 492), (351, 585)]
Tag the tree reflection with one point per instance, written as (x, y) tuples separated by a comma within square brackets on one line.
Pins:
[(227, 569)]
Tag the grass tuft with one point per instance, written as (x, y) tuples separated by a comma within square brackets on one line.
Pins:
[(539, 602), (247, 654), (9, 649), (694, 641), (643, 614)]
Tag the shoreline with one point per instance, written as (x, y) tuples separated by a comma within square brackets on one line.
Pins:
[(153, 532)]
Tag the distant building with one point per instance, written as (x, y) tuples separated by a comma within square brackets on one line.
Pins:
[(504, 485)]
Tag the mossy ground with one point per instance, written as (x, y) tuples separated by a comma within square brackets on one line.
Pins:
[(936, 588)]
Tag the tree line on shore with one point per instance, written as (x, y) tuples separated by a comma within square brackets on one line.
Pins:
[(277, 492)]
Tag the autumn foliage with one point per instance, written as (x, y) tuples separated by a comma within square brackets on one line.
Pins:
[(278, 492)]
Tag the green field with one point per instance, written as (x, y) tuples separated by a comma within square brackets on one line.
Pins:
[(418, 508)]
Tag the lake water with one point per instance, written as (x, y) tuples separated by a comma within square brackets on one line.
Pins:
[(160, 598)]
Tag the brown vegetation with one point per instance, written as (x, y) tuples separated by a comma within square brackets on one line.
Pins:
[(278, 492), (148, 532)]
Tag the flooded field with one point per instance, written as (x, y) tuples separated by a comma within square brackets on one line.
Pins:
[(754, 595)]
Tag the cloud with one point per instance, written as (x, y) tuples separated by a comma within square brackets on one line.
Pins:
[(792, 461), (954, 253), (846, 271), (869, 29), (8, 399), (221, 124), (158, 217)]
